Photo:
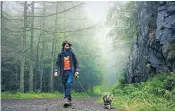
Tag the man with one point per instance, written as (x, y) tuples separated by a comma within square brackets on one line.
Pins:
[(67, 66)]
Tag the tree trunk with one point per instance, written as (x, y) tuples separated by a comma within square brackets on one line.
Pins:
[(42, 56), (53, 53), (2, 22), (31, 52), (65, 25), (42, 69), (37, 62), (23, 50)]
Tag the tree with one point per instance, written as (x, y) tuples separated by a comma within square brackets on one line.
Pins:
[(31, 52), (53, 52), (23, 49), (32, 35)]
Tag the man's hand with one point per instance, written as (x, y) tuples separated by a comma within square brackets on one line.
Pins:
[(76, 74), (56, 74)]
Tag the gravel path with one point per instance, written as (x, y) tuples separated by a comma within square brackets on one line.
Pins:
[(78, 104)]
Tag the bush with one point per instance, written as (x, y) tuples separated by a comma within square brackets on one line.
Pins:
[(156, 94), (169, 82)]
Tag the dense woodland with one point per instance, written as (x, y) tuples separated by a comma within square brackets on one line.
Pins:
[(142, 57), (32, 34)]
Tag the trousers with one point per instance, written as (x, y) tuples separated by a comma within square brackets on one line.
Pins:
[(67, 82)]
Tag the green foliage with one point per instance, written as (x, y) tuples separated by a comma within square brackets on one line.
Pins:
[(157, 94), (98, 89), (123, 18), (169, 82)]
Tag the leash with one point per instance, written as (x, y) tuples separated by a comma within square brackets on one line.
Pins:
[(82, 86), (73, 86)]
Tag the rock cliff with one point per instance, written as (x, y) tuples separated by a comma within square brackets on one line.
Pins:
[(153, 50)]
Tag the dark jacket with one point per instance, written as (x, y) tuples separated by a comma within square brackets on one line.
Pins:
[(59, 66)]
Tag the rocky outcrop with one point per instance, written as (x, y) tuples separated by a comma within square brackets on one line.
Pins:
[(153, 50)]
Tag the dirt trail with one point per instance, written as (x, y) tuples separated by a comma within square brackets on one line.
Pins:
[(78, 104)]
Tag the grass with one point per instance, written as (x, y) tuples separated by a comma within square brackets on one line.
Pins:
[(151, 103), (157, 94), (34, 95), (141, 102)]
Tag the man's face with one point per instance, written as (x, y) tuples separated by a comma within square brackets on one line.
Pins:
[(66, 46)]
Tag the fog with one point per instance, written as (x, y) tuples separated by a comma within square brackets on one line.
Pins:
[(79, 18), (112, 63)]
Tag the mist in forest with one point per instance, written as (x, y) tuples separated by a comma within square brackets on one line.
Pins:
[(33, 33), (112, 57)]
